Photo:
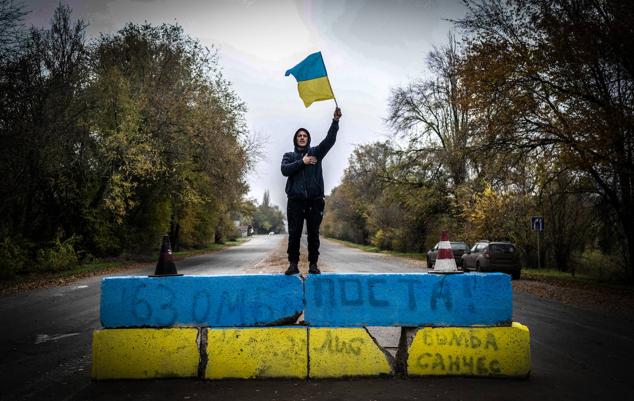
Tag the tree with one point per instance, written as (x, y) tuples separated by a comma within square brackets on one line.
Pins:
[(11, 28), (171, 131), (266, 199), (350, 204), (45, 145), (434, 113), (268, 218), (569, 212), (106, 146), (561, 72), (383, 200)]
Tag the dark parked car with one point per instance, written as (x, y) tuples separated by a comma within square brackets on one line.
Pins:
[(458, 248), (487, 256)]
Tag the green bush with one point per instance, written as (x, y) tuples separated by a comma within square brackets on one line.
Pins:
[(13, 258), (61, 256), (383, 239), (233, 234), (598, 265), (101, 236), (400, 241)]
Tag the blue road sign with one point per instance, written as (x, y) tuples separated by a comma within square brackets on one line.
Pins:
[(537, 223)]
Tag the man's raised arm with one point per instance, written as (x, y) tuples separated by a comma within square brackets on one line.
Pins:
[(322, 149)]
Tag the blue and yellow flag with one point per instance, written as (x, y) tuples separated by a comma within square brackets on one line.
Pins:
[(312, 79)]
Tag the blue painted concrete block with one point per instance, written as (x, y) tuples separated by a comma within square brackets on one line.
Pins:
[(348, 300), (218, 301)]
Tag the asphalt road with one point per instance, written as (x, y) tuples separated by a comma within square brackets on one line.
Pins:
[(334, 257), (45, 347), (45, 338)]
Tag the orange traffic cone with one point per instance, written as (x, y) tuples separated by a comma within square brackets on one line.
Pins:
[(445, 262), (165, 265)]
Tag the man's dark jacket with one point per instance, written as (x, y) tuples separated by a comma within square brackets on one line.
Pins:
[(306, 181)]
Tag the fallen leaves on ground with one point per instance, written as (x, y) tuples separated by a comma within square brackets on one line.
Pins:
[(585, 295), (46, 281)]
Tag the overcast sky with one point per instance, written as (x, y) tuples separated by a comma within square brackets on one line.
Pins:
[(369, 48)]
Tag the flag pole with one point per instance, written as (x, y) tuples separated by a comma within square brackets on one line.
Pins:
[(328, 79), (331, 91)]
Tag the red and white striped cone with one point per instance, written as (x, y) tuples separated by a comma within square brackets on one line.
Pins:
[(445, 262)]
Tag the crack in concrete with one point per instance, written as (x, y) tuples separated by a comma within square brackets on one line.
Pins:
[(201, 341), (390, 359), (402, 353), (307, 353)]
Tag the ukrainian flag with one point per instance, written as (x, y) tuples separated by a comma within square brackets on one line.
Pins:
[(312, 79)]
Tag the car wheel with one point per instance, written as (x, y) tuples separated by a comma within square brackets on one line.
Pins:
[(516, 275), (478, 267)]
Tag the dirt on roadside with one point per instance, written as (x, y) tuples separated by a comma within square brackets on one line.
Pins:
[(51, 280), (277, 262), (590, 296)]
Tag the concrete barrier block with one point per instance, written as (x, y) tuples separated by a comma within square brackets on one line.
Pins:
[(344, 352), (348, 300), (257, 353), (461, 351), (145, 353), (218, 301)]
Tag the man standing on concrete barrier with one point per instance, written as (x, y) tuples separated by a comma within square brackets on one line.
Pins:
[(305, 191)]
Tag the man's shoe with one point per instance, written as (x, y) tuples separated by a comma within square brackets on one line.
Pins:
[(292, 269), (313, 269)]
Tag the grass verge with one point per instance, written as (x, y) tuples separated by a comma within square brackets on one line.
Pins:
[(50, 279), (210, 248), (566, 279)]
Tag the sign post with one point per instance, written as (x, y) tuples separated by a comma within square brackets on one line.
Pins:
[(537, 224)]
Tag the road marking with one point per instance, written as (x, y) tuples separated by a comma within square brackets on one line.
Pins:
[(77, 287), (42, 338)]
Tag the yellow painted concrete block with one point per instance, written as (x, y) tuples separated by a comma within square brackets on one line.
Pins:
[(481, 351), (257, 352), (340, 352), (144, 353)]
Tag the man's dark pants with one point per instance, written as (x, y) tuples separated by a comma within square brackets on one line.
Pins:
[(297, 211)]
